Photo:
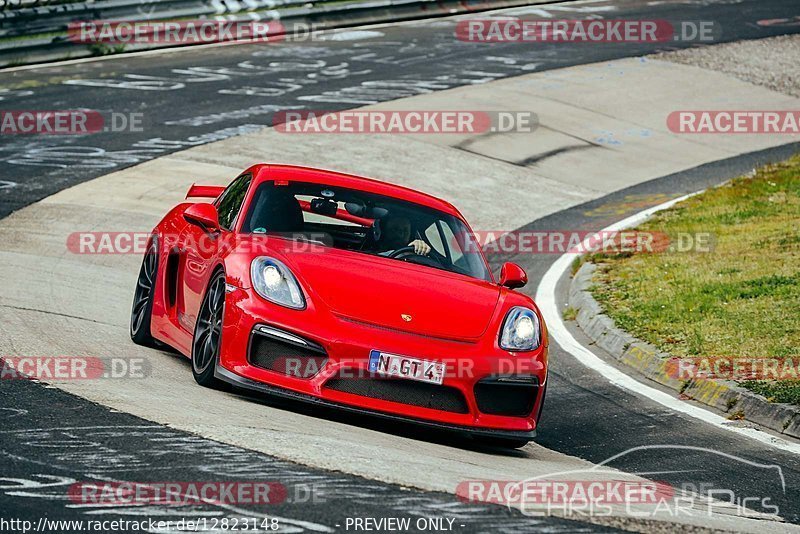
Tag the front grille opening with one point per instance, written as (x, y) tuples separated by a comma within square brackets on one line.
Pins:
[(285, 358), (424, 395), (505, 398)]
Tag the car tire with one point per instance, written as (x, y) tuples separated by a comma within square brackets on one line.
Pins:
[(142, 309), (207, 337)]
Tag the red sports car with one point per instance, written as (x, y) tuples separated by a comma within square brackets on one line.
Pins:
[(347, 292)]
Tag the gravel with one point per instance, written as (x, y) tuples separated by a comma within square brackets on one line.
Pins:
[(773, 62)]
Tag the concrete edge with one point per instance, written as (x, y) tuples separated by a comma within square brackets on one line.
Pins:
[(651, 363)]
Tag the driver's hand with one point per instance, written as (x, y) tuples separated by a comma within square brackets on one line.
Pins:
[(420, 247)]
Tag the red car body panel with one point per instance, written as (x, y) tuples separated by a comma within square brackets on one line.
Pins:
[(354, 304)]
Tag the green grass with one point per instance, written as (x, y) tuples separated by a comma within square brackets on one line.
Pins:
[(742, 299)]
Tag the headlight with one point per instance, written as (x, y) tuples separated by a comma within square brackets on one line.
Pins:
[(276, 283), (520, 330)]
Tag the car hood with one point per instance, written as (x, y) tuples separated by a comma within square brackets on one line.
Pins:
[(399, 295)]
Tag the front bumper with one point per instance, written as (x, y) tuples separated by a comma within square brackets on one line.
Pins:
[(344, 346), (245, 383)]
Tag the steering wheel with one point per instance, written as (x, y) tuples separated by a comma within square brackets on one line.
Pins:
[(403, 251), (407, 254)]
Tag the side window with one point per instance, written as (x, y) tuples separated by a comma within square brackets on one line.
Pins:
[(455, 247), (230, 202), (434, 238)]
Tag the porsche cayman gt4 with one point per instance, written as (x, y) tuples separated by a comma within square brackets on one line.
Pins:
[(346, 292)]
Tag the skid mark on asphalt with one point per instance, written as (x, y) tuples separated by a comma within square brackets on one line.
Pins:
[(43, 462)]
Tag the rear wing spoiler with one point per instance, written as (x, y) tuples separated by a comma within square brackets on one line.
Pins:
[(205, 191)]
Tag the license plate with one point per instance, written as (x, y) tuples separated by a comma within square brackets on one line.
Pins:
[(404, 367)]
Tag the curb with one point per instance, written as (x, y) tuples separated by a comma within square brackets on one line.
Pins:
[(648, 361)]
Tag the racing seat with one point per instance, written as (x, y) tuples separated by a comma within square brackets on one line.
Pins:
[(277, 211), (373, 237)]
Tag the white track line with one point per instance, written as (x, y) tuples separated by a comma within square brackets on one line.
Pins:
[(546, 300)]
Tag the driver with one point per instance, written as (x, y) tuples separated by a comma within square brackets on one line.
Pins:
[(396, 234)]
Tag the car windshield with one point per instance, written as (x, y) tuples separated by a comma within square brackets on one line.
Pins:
[(362, 222)]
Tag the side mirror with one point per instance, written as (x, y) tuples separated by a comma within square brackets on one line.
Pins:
[(203, 215), (512, 276)]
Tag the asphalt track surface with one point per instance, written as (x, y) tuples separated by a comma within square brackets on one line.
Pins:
[(57, 441), (199, 95), (45, 431)]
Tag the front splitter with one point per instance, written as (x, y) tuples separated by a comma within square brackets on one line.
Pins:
[(242, 382)]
